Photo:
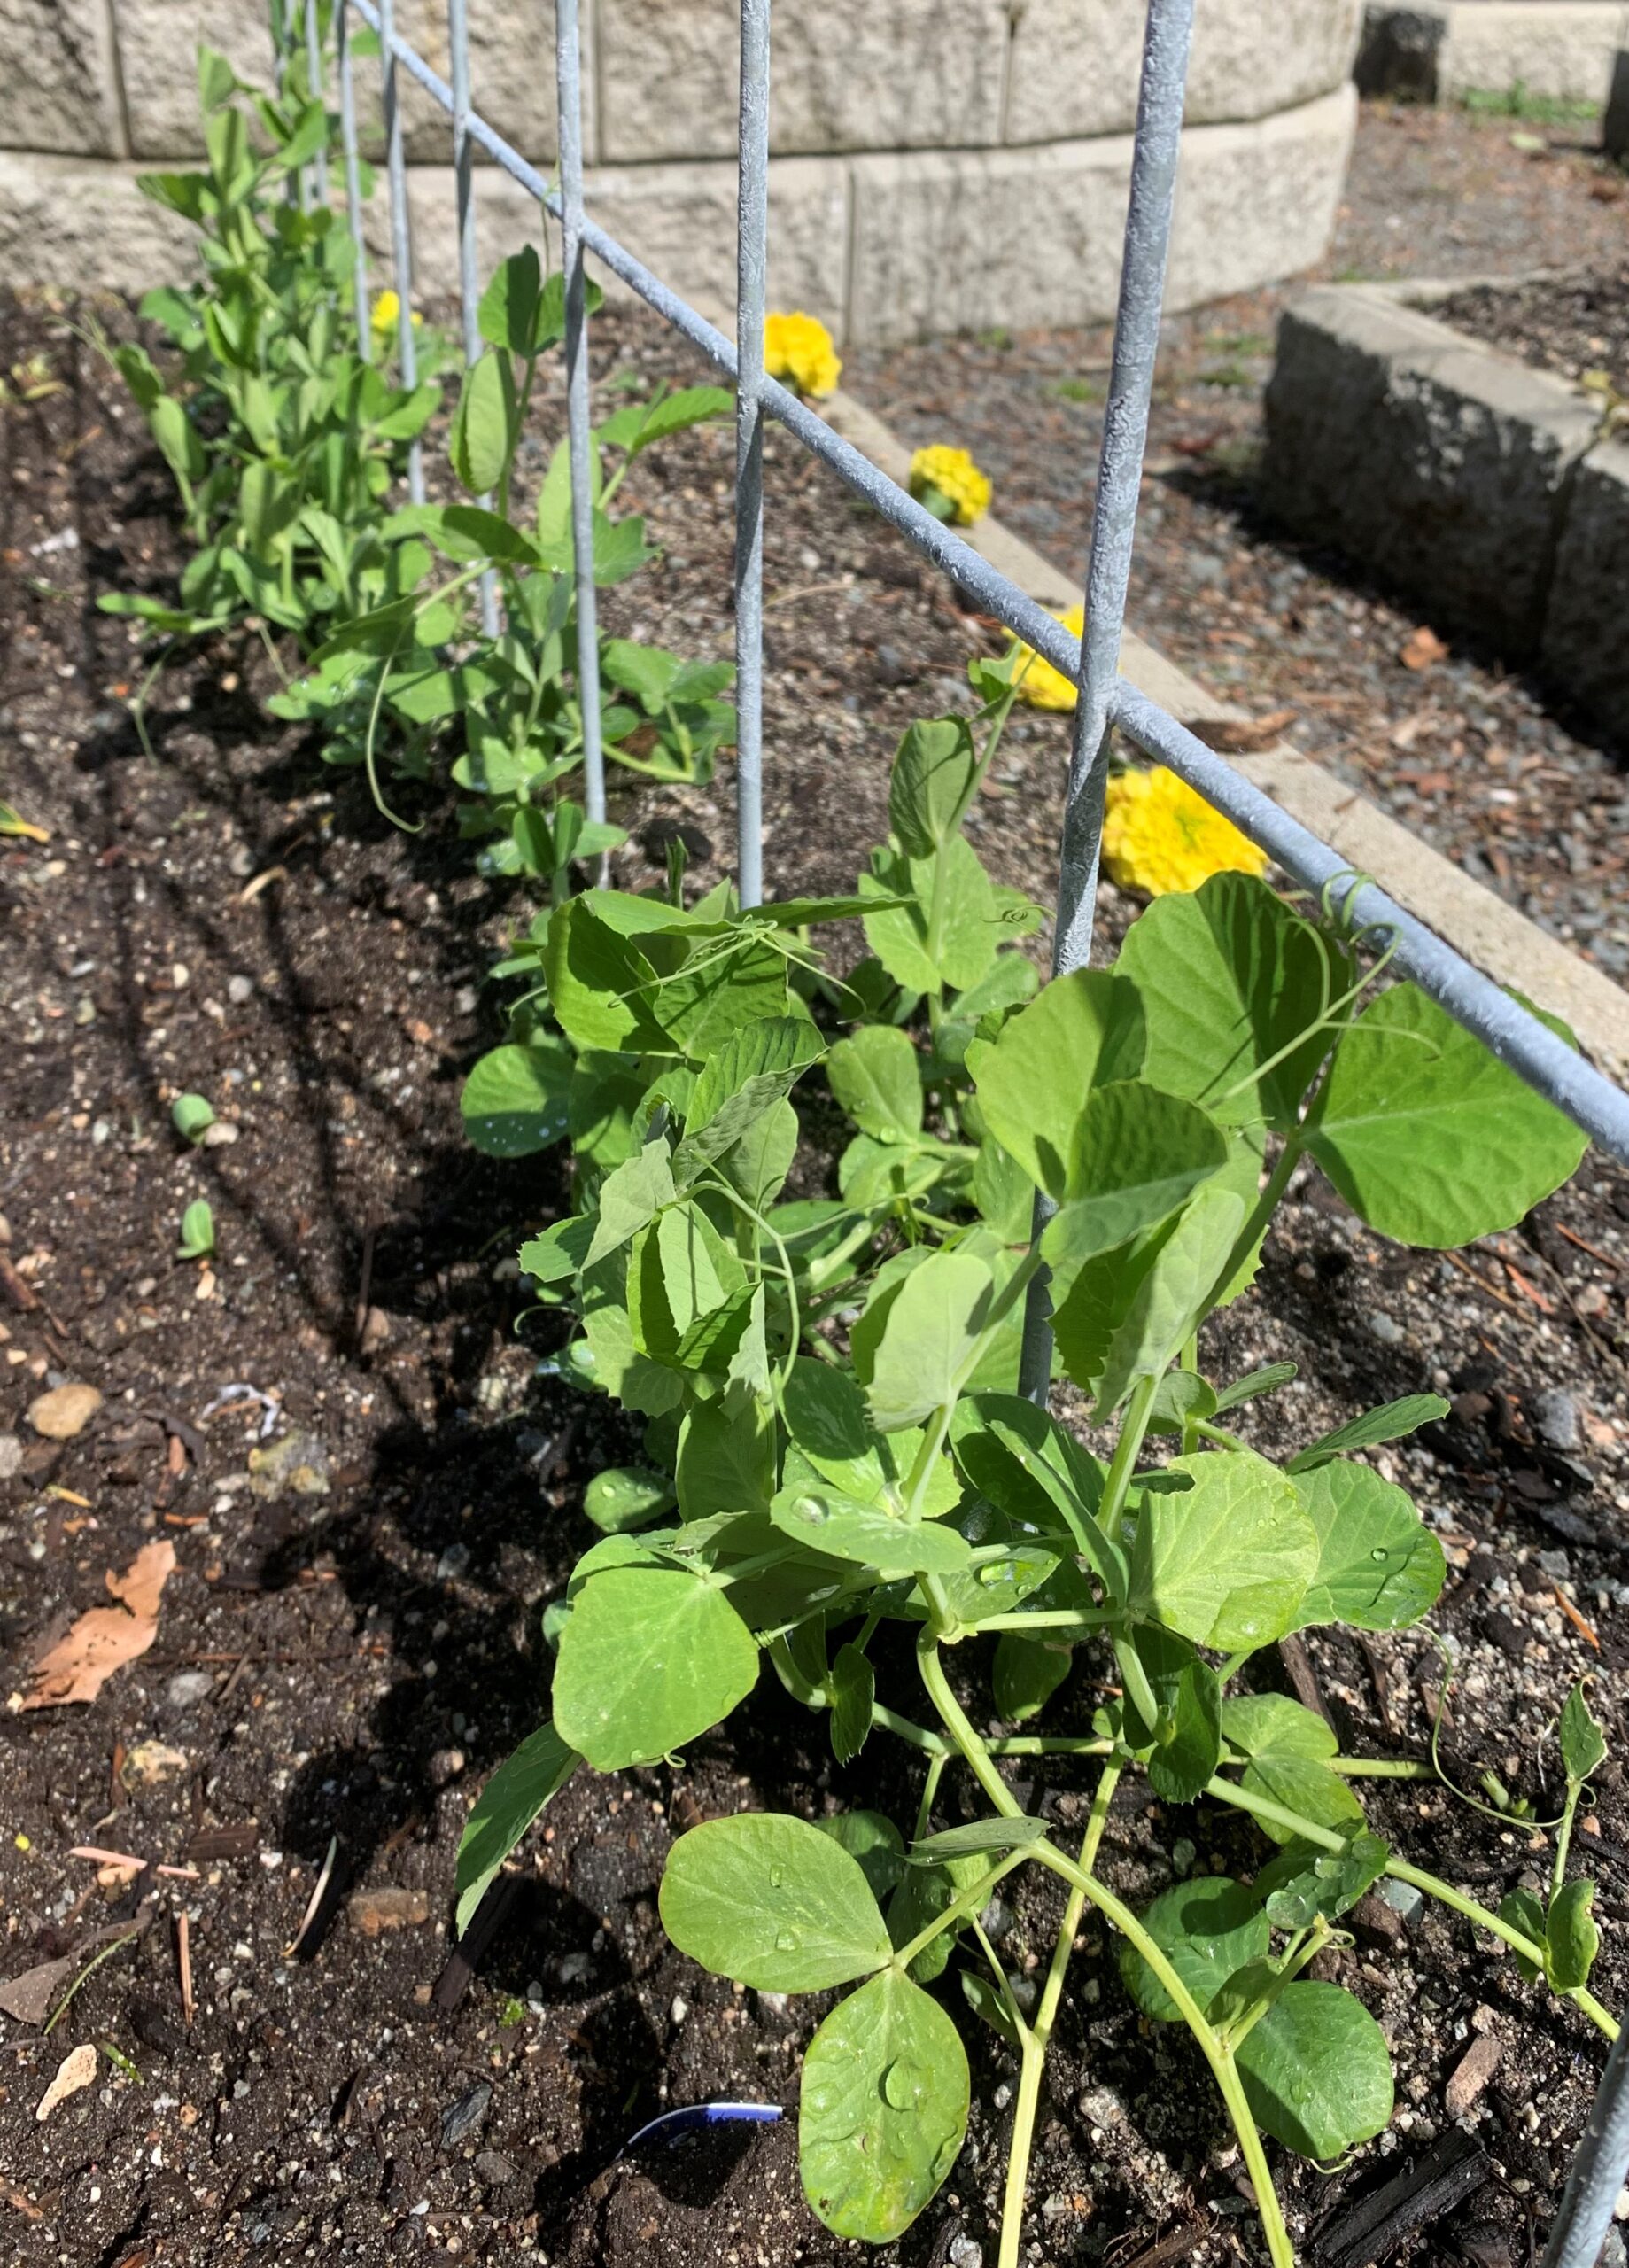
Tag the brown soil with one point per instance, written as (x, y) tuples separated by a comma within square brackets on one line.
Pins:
[(350, 1663), (1566, 324)]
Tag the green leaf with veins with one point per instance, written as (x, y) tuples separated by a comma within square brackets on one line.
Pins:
[(1379, 1566), (1316, 2072), (1025, 1462), (1002, 1193), (924, 1893), (933, 777), (516, 1098), (884, 2109), (505, 1808), (1267, 1379), (833, 1440), (1188, 1694), (932, 1326), (1427, 1135), (1206, 1928), (1229, 979), (1306, 1787), (770, 1901), (753, 1069), (623, 1496), (874, 1842), (1583, 1743), (979, 1837), (1135, 1156), (631, 1195), (1164, 1292), (1180, 1397), (845, 1528), (876, 1075), (1571, 1939), (1225, 1562), (483, 429), (1270, 1724), (726, 1456), (1524, 1912), (1080, 1031), (651, 1657), (853, 1690), (1026, 1673), (1306, 1880), (1392, 1421)]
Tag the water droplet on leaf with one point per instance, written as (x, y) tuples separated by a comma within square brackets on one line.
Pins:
[(904, 2085)]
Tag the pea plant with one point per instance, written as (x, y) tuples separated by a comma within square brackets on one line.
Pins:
[(282, 437), (417, 664), (840, 1476)]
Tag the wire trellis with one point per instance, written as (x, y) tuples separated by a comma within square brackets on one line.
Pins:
[(1106, 701)]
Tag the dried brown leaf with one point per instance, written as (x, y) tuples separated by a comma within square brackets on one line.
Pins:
[(106, 1638)]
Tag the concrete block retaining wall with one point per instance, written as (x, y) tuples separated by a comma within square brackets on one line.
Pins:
[(1437, 50), (935, 168), (1460, 474)]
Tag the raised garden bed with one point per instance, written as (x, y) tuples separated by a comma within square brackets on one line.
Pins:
[(348, 1661), (1457, 470)]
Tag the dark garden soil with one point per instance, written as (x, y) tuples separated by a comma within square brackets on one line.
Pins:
[(350, 1640), (1567, 325)]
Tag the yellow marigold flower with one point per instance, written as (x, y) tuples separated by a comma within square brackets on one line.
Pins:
[(953, 474), (1159, 836), (799, 347), (387, 312), (1038, 682)]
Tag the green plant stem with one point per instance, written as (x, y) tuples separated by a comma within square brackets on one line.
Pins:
[(970, 1901), (1380, 1767), (1266, 1206), (1308, 1831), (1036, 2038), (1563, 1835), (1128, 1448), (902, 1728), (1223, 2067)]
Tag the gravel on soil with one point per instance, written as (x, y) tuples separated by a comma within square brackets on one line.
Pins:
[(1481, 762), (1566, 324), (351, 1639)]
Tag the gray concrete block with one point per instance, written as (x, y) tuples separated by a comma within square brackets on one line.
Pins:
[(1585, 641), (1423, 453), (58, 87)]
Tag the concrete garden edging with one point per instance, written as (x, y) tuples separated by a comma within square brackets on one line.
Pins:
[(1438, 50), (1460, 474)]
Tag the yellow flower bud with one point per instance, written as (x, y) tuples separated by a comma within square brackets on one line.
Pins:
[(957, 478), (798, 348)]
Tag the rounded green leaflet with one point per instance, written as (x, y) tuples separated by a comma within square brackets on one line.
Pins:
[(650, 1657), (515, 1099), (1226, 1562), (1308, 1788), (506, 1807), (622, 1496), (874, 1842), (1206, 1928), (1379, 1566), (884, 2109), (1025, 1674), (770, 1901), (191, 1116), (1136, 1155), (847, 1529), (1316, 2072), (1079, 1031), (1427, 1135), (1270, 1724), (933, 1325), (876, 1075)]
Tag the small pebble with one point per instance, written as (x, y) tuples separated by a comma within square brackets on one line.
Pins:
[(680, 2010), (189, 1687), (1383, 1327), (966, 2252), (239, 988), (11, 1456), (1402, 1898), (452, 1561), (63, 1412), (465, 2117)]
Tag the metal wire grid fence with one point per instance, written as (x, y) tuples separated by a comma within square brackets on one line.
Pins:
[(1106, 700)]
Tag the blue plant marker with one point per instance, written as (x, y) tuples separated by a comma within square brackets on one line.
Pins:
[(702, 2114)]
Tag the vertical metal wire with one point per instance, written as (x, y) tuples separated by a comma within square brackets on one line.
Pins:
[(751, 258), (1599, 2171), (354, 179), (401, 243), (568, 89), (317, 171), (1113, 527), (469, 287)]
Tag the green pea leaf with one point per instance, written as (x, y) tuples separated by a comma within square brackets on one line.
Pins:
[(1379, 1566), (1080, 1031), (876, 1074), (1571, 1939), (1267, 1379), (1270, 1724), (822, 1519), (1306, 1880), (925, 1892), (1227, 1561), (1308, 1788), (1183, 1752), (874, 1842), (934, 770), (1026, 1673), (884, 2109), (769, 1900), (1181, 1395), (754, 1068), (191, 1116), (1136, 1157), (651, 1657), (641, 424), (1427, 1136), (726, 1456), (505, 1808), (197, 1232), (1119, 1324), (1206, 1928), (1583, 1743), (1392, 1421), (1522, 1910), (1024, 1461), (483, 432), (853, 1690), (621, 1497), (933, 1327), (515, 1099), (1229, 979), (1316, 2072), (556, 1255), (978, 1837), (507, 314), (630, 1197)]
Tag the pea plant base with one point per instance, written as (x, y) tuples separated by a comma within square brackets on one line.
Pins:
[(1125, 2127)]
